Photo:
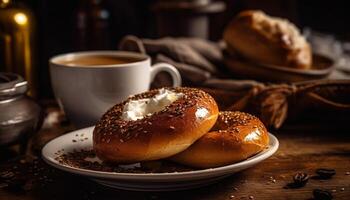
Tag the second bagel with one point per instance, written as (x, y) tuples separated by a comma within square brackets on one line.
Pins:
[(235, 137)]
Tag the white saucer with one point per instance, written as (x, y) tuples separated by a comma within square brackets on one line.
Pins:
[(150, 181)]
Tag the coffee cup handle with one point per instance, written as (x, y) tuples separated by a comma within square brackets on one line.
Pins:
[(155, 69)]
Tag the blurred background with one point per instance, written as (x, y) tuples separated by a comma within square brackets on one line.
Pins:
[(60, 26)]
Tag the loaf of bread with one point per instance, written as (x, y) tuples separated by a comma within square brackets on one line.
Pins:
[(267, 40)]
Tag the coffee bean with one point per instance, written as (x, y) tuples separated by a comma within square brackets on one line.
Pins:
[(325, 173), (322, 195), (300, 179)]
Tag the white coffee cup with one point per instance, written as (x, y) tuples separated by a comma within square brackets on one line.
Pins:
[(86, 92)]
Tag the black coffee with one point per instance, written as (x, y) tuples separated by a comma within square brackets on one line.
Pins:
[(96, 60)]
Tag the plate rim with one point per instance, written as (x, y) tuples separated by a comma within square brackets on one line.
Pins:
[(295, 71), (273, 147)]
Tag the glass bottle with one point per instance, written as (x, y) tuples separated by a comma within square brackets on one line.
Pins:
[(17, 42), (92, 25)]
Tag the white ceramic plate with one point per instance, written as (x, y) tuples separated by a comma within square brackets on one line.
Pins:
[(149, 181)]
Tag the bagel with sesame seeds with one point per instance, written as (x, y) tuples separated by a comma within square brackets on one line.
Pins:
[(154, 125), (235, 136)]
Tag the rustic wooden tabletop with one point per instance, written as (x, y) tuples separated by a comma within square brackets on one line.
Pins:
[(300, 151)]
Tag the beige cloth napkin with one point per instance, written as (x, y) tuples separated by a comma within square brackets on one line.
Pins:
[(200, 63)]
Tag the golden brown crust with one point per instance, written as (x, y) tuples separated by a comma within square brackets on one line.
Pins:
[(235, 137), (158, 136), (267, 40)]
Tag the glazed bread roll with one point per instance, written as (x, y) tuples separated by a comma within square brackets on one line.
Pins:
[(236, 136), (267, 40), (154, 125)]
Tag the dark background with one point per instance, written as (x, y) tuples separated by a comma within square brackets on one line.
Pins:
[(58, 23)]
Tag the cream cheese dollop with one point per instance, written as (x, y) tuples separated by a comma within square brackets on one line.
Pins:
[(138, 109)]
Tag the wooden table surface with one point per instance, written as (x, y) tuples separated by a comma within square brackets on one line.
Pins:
[(300, 151)]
